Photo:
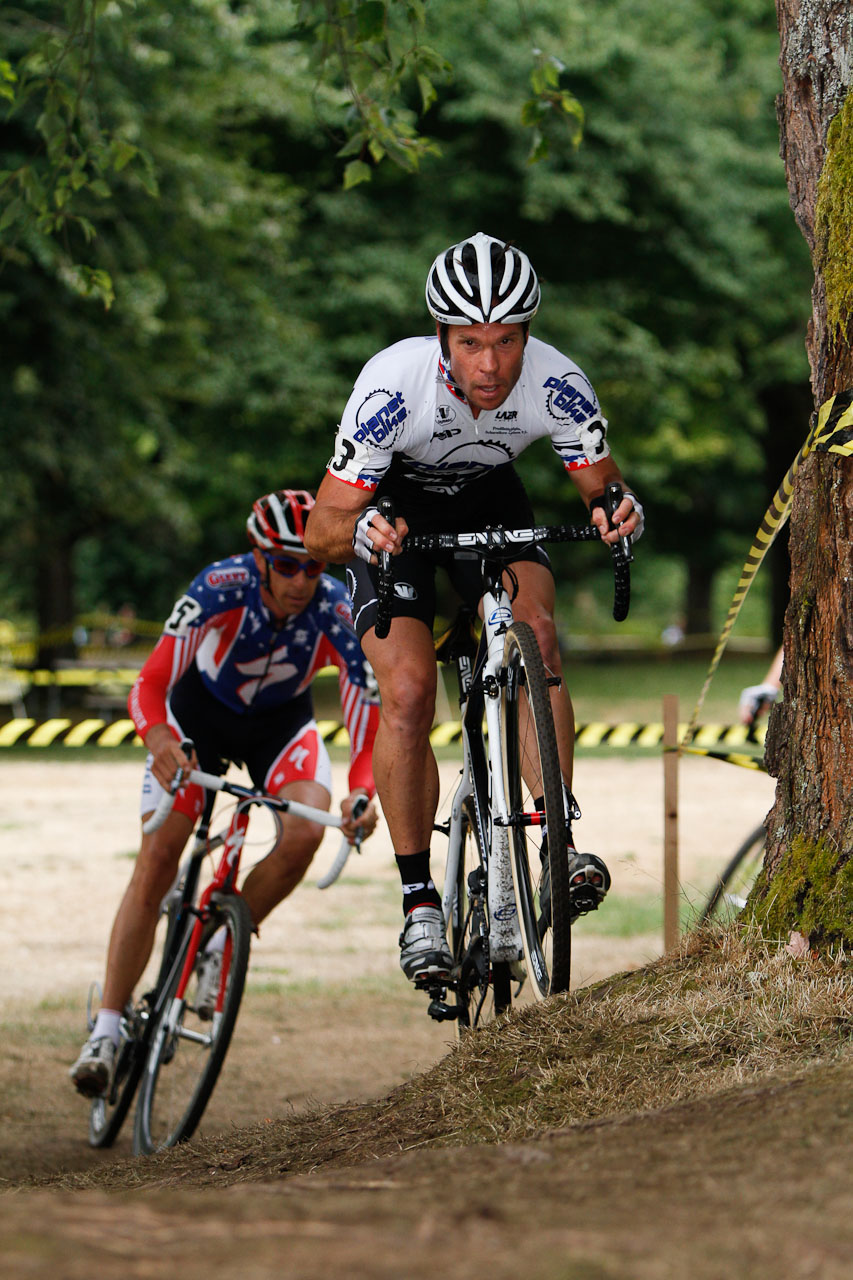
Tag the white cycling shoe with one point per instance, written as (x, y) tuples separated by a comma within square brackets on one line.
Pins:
[(424, 952), (209, 980), (92, 1071)]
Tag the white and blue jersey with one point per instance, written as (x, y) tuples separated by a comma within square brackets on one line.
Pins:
[(406, 407)]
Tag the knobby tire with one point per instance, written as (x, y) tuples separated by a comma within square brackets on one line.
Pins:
[(180, 1072), (484, 990), (532, 772)]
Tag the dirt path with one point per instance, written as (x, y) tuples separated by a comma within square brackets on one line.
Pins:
[(752, 1183), (327, 1016)]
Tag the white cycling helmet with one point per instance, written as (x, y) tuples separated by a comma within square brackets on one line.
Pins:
[(482, 281), (277, 522)]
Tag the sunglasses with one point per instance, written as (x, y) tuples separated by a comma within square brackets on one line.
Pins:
[(288, 567)]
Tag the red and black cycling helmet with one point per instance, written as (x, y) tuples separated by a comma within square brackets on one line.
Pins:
[(277, 522)]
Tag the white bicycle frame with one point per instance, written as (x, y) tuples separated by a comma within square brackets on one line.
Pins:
[(505, 943)]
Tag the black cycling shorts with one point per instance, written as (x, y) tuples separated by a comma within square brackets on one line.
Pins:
[(497, 498)]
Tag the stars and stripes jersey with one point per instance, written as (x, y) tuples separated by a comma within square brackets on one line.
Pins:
[(405, 406), (250, 663)]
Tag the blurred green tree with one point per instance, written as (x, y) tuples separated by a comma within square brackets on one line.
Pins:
[(253, 270)]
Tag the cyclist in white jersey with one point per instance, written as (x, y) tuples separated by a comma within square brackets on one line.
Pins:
[(435, 424)]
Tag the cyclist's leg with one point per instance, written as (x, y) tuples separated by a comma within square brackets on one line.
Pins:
[(132, 934), (406, 775), (272, 880), (404, 765), (534, 604), (288, 758), (136, 920)]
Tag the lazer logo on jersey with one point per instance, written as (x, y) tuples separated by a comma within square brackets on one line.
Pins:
[(228, 578), (566, 401), (506, 415), (379, 416)]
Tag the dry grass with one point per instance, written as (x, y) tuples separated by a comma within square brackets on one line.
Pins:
[(725, 1010)]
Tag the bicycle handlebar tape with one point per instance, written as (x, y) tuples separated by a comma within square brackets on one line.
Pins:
[(622, 557), (385, 586)]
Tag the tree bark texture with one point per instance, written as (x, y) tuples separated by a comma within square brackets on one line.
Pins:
[(810, 737)]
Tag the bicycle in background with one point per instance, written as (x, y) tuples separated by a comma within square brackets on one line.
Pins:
[(170, 1051), (728, 896), (506, 893)]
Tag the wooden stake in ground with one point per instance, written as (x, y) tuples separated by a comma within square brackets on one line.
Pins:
[(670, 820)]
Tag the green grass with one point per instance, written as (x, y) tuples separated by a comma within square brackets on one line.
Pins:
[(625, 916)]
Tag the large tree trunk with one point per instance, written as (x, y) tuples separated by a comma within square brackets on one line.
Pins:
[(808, 882)]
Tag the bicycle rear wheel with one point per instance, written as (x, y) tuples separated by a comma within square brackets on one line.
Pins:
[(186, 1053), (483, 989), (534, 790), (732, 890)]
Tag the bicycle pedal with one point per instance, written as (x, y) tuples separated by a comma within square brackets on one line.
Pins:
[(584, 900), (441, 1011)]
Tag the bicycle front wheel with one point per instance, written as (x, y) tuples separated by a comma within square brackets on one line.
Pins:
[(186, 1053), (732, 889), (107, 1114), (534, 796), (483, 989)]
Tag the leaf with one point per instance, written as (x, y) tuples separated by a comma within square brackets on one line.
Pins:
[(798, 946), (11, 213), (356, 172), (428, 91), (122, 153)]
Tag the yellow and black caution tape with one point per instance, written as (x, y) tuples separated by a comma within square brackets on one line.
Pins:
[(62, 731), (730, 757), (834, 430), (831, 432)]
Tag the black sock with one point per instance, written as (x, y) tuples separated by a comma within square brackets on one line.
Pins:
[(418, 888)]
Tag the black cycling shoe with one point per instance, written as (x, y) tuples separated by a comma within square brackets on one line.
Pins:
[(589, 881)]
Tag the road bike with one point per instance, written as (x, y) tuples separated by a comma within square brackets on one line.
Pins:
[(506, 892), (168, 1051)]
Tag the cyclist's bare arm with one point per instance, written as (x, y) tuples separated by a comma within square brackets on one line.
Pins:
[(591, 482), (329, 531)]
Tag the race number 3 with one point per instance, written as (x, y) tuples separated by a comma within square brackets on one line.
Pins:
[(592, 436)]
